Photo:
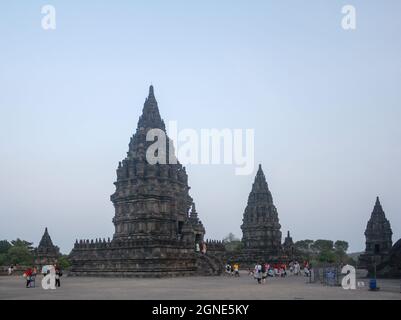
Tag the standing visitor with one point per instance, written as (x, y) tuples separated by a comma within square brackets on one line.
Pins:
[(197, 248), (291, 265), (236, 270), (27, 275), (264, 272), (296, 268), (228, 269), (204, 247), (258, 273), (58, 275), (10, 270)]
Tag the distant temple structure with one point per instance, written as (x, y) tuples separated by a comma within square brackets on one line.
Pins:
[(46, 252), (378, 238), (261, 228), (157, 229), (289, 247), (381, 258)]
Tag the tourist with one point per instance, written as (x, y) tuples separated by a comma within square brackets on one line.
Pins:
[(264, 272), (10, 270), (58, 275), (296, 268), (258, 273), (27, 275), (197, 248), (236, 270), (276, 270), (228, 269), (291, 267), (283, 270), (204, 247)]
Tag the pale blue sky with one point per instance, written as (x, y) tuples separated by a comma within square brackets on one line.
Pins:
[(324, 103)]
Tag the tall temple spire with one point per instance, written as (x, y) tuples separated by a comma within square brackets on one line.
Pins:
[(261, 227), (46, 241), (150, 117), (260, 186), (378, 231), (151, 93)]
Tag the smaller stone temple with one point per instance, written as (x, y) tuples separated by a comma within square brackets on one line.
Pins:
[(289, 247), (46, 253), (378, 239), (261, 228)]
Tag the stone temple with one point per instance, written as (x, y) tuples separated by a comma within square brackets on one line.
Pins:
[(261, 228), (378, 238), (46, 252), (381, 258), (156, 223)]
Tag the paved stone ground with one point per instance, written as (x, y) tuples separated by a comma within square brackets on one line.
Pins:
[(196, 288)]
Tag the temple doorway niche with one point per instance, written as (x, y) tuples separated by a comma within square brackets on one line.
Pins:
[(198, 238), (377, 248)]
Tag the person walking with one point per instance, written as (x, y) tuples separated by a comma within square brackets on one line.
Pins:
[(58, 275)]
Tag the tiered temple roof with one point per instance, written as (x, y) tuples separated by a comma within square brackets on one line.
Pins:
[(261, 227)]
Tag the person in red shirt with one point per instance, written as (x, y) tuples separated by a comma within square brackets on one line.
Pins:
[(28, 275)]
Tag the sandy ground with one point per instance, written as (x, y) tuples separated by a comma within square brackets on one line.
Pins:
[(196, 288)]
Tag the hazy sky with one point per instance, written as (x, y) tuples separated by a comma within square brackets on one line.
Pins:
[(324, 103)]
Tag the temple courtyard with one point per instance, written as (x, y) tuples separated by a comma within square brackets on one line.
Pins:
[(196, 288)]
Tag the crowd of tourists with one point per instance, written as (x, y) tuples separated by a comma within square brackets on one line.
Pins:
[(232, 270), (262, 271), (31, 273)]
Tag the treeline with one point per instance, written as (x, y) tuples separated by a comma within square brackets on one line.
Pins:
[(324, 251), (316, 251), (21, 252)]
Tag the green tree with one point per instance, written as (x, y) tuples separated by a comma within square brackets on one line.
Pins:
[(232, 243), (4, 246), (327, 256), (64, 262), (22, 243), (340, 245), (303, 245), (21, 252), (323, 245), (20, 255)]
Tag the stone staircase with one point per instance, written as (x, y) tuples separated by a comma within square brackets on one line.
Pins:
[(208, 265)]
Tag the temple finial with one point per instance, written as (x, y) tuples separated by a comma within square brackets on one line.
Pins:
[(151, 91)]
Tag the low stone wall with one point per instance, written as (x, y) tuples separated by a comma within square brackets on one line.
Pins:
[(144, 258)]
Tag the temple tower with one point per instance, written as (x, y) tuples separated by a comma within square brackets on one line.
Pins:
[(261, 227), (151, 200), (378, 232), (156, 223), (378, 237), (46, 252)]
